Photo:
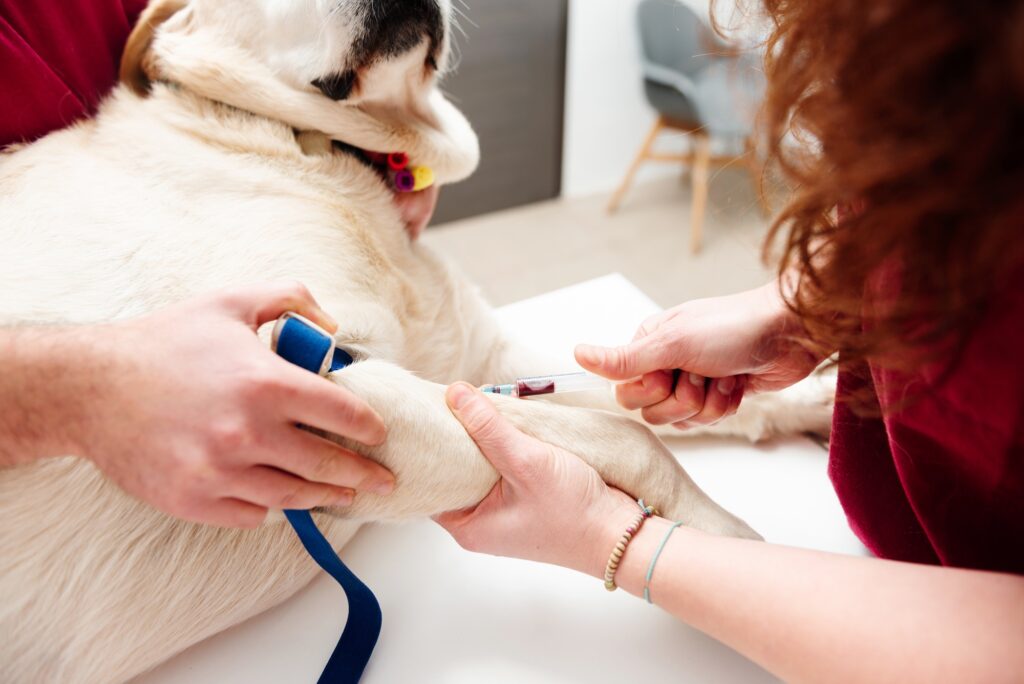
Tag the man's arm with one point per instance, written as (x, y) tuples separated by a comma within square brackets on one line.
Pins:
[(186, 409), (43, 368)]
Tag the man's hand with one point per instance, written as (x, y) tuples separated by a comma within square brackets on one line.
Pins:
[(186, 409), (691, 365)]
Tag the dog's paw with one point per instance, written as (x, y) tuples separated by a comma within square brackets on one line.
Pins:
[(804, 408), (708, 517)]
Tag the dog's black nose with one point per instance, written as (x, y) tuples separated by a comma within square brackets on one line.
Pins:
[(386, 29), (392, 27)]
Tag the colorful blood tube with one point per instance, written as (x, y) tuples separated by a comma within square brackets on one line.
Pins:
[(403, 180), (398, 161), (423, 177)]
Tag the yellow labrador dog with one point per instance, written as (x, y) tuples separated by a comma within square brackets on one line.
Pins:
[(213, 165)]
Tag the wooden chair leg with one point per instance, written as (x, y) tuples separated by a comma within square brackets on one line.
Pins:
[(701, 162), (645, 149)]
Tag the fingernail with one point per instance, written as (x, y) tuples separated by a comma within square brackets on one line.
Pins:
[(345, 499), (590, 354), (459, 395), (382, 487), (726, 385), (696, 380), (332, 325)]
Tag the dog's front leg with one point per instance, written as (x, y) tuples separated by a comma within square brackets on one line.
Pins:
[(439, 468)]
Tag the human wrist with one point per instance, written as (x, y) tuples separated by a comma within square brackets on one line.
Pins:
[(783, 329), (89, 362), (632, 573), (780, 294), (603, 532), (46, 373), (773, 310), (642, 549)]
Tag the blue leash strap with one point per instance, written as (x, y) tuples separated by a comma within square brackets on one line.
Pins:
[(301, 342), (359, 637)]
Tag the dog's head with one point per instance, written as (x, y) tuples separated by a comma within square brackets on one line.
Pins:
[(364, 72)]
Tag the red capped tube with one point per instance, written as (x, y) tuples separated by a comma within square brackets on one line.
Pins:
[(398, 161)]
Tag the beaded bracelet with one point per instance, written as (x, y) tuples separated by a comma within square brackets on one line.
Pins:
[(620, 547)]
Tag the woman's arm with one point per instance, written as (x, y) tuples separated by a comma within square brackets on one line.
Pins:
[(814, 616), (803, 615)]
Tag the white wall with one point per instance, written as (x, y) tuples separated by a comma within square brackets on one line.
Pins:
[(606, 114)]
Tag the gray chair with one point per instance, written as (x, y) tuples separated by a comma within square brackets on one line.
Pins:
[(701, 86)]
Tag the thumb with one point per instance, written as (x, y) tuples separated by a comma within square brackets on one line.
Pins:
[(452, 520), (498, 439), (629, 361)]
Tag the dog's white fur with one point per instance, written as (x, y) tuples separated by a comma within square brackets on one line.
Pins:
[(201, 184)]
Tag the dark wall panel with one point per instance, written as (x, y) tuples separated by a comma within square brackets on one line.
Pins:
[(510, 83)]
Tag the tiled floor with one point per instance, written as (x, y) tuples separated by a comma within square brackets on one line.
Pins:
[(522, 252)]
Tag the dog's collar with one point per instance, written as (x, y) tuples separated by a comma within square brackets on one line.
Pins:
[(394, 168), (357, 153), (401, 177)]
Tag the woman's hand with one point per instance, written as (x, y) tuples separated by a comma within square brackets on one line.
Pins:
[(804, 615), (187, 410), (549, 506), (691, 365)]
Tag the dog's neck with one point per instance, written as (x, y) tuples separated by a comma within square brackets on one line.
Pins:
[(227, 117), (442, 140)]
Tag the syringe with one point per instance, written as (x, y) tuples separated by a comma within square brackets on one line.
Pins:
[(548, 384)]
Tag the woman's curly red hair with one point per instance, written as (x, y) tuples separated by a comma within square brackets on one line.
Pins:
[(910, 112)]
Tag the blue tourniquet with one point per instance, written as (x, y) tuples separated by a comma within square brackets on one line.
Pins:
[(307, 347)]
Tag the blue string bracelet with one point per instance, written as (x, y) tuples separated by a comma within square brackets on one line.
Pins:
[(654, 561)]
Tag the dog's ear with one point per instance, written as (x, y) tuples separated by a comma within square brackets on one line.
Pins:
[(133, 61)]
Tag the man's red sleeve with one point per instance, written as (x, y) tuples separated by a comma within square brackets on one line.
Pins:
[(58, 58)]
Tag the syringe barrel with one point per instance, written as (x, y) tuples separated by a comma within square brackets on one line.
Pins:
[(557, 384), (578, 382)]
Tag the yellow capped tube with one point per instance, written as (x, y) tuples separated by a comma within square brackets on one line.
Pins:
[(423, 177)]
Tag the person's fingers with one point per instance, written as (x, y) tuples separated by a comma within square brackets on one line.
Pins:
[(307, 399), (717, 400), (687, 400), (417, 208), (233, 513), (646, 354), (650, 389), (264, 302), (316, 459), (737, 395), (736, 398), (499, 440), (273, 488)]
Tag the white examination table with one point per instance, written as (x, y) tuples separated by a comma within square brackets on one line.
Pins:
[(455, 617)]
